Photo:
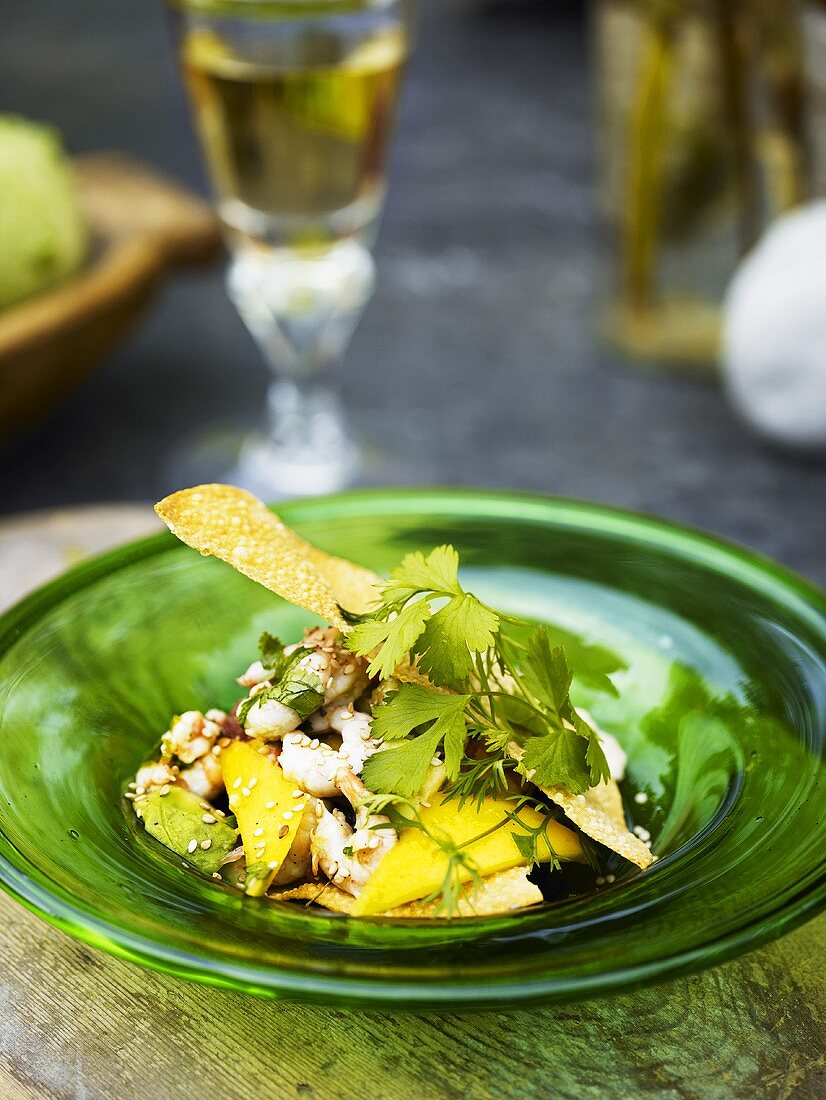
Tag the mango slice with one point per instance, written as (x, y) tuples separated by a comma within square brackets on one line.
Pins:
[(415, 866), (267, 809)]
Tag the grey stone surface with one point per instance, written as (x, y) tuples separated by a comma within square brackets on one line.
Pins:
[(478, 350)]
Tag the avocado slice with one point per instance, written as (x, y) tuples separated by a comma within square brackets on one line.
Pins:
[(177, 818)]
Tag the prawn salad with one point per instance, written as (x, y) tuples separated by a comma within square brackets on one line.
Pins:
[(417, 755)]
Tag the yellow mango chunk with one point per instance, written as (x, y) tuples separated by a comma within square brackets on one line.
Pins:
[(415, 866), (267, 810)]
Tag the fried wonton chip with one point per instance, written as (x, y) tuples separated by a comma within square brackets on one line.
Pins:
[(233, 525), (499, 893), (599, 814)]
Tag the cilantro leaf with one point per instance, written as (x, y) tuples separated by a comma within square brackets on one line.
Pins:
[(546, 673), (593, 663), (275, 659), (595, 754), (411, 706), (271, 650), (402, 767), (558, 759), (526, 846), (396, 636), (462, 627), (301, 689), (436, 572)]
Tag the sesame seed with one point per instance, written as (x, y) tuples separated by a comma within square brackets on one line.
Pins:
[(130, 794), (365, 735), (140, 790), (253, 782), (132, 786), (297, 794), (374, 843), (287, 815), (282, 832), (436, 762), (344, 753), (209, 819), (216, 750), (215, 874), (610, 878), (273, 864), (333, 869), (270, 805), (234, 800), (193, 844), (314, 743), (223, 741), (245, 791), (298, 807), (205, 844), (236, 783), (258, 832)]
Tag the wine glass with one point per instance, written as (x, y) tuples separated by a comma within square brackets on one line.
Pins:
[(294, 103)]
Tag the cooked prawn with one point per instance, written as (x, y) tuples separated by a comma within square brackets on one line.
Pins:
[(192, 735), (357, 743), (312, 765), (341, 673), (347, 856)]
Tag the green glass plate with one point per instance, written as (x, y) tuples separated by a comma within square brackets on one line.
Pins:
[(722, 710)]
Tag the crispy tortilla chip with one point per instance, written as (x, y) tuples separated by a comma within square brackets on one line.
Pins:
[(499, 893), (587, 813), (236, 527), (599, 814)]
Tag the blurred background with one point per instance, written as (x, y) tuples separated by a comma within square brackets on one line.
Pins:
[(572, 187)]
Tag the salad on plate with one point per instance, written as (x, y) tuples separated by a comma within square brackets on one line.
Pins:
[(414, 754)]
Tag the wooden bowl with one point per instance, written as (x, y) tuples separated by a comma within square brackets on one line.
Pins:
[(142, 226)]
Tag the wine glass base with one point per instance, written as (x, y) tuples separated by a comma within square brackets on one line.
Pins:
[(274, 472), (229, 453)]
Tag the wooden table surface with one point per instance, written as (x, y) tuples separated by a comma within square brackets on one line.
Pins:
[(76, 1024)]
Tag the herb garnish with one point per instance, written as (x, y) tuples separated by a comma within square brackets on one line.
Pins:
[(503, 689), (300, 689)]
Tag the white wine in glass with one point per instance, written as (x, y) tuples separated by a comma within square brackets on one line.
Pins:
[(294, 102)]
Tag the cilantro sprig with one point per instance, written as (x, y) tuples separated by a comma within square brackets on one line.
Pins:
[(496, 681), (445, 637)]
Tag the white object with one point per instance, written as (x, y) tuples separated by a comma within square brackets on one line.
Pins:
[(774, 331)]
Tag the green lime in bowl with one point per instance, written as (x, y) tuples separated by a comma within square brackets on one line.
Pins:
[(719, 658)]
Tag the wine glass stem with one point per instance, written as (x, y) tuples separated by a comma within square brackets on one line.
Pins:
[(302, 309)]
